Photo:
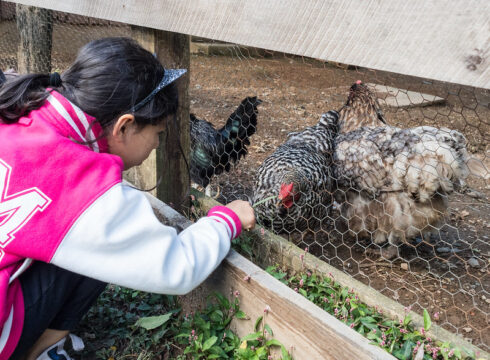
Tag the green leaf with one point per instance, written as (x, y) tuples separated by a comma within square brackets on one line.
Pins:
[(217, 350), (427, 321), (392, 346), (222, 300), (285, 354), (253, 336), (152, 322), (444, 355), (407, 349), (369, 325), (369, 319), (268, 328), (257, 322), (241, 315), (344, 293), (216, 316), (273, 342), (209, 342)]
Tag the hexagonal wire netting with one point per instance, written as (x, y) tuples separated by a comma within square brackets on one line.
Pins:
[(393, 190)]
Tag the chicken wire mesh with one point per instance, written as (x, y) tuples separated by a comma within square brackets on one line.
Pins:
[(392, 188)]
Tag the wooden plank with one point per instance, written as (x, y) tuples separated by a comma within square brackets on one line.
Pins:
[(436, 39), (296, 322)]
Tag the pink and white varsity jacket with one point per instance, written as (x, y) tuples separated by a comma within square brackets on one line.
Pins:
[(64, 203)]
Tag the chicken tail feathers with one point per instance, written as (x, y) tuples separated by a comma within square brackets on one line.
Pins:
[(214, 151), (233, 137)]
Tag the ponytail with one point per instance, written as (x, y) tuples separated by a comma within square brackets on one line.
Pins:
[(20, 95), (107, 79)]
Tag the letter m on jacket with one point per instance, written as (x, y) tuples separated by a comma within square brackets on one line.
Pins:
[(16, 209)]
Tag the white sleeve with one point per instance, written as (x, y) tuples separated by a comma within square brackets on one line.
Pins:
[(119, 240)]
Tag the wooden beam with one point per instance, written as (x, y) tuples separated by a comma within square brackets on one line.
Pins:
[(299, 324), (168, 162), (35, 27), (434, 39), (173, 50)]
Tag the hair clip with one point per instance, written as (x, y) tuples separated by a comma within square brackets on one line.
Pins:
[(170, 76)]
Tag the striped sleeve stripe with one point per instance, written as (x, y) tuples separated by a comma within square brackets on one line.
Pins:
[(224, 222), (230, 221), (90, 133), (229, 216), (55, 103)]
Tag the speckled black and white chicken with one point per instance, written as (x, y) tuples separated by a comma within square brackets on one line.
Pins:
[(299, 177), (214, 151), (393, 184)]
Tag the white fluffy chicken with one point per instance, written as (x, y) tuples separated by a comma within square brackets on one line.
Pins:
[(393, 184)]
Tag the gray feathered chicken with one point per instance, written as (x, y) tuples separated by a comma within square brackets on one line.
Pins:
[(299, 173), (394, 183), (213, 151)]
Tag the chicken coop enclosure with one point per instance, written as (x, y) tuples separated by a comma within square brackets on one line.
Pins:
[(424, 149)]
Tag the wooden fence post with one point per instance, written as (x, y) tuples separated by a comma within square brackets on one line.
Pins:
[(168, 163), (145, 175), (173, 50), (36, 29)]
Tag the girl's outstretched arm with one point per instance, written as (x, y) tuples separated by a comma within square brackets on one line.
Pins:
[(119, 240)]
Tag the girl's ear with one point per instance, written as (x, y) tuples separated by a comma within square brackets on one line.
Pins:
[(122, 124)]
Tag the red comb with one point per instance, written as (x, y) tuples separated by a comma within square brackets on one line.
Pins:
[(285, 190), (358, 82)]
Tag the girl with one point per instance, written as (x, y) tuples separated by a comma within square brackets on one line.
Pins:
[(68, 225)]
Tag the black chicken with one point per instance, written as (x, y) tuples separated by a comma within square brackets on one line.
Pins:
[(213, 151)]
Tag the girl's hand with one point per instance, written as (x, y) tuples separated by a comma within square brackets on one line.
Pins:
[(244, 212)]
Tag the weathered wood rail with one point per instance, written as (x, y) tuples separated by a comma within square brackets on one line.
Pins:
[(434, 39)]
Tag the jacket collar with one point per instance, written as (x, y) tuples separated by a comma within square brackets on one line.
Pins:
[(74, 123)]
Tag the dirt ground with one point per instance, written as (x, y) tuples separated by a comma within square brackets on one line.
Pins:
[(450, 273)]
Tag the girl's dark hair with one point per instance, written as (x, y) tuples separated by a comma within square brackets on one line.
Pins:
[(109, 76)]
